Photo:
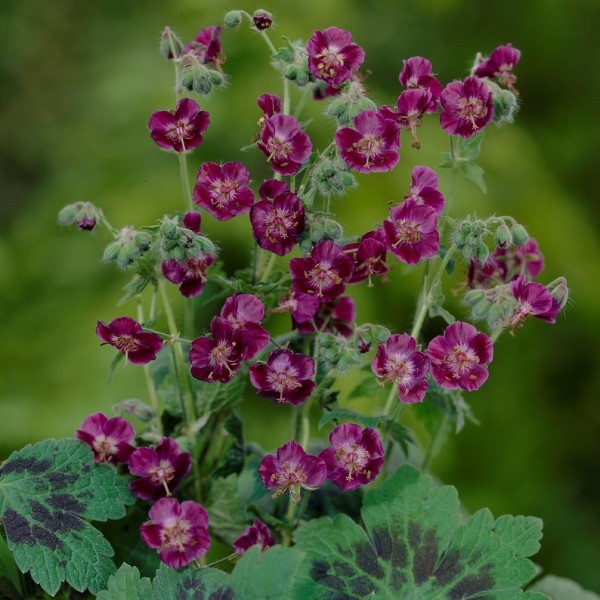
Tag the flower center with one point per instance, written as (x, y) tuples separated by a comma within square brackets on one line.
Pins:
[(472, 109), (125, 343), (278, 149), (320, 276), (289, 478), (220, 356), (180, 131), (283, 381), (369, 145), (460, 359), (329, 60), (278, 224), (353, 457), (195, 268), (162, 473), (178, 534), (223, 192), (104, 447), (506, 77), (407, 233)]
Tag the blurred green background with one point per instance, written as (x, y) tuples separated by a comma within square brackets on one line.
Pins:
[(78, 83)]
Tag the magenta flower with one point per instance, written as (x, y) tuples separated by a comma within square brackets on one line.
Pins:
[(302, 306), (355, 457), (467, 107), (127, 336), (160, 469), (410, 107), (372, 145), (526, 259), (284, 143), (500, 66), (291, 470), (277, 223), (411, 232), (270, 104), (369, 255), (324, 273), (424, 189), (534, 300), (223, 190), (244, 312), (191, 274), (337, 316), (416, 74), (180, 531), (217, 357), (398, 362), (110, 439), (179, 130), (259, 534), (458, 357), (332, 56), (286, 377), (206, 47)]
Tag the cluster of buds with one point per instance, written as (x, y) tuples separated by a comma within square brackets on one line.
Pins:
[(180, 243), (129, 245), (82, 214)]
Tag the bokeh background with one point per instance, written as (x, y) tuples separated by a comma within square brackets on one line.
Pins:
[(78, 82)]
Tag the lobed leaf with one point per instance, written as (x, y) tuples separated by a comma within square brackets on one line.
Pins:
[(46, 492), (126, 584)]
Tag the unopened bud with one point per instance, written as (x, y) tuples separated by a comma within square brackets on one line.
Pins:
[(332, 230), (66, 215), (560, 291), (505, 107), (519, 235), (233, 19), (482, 253), (217, 79), (196, 77), (380, 333), (472, 297), (363, 345), (142, 240), (481, 309), (170, 45), (168, 228), (503, 237), (87, 216), (262, 19), (326, 340)]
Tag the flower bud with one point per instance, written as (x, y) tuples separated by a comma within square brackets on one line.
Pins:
[(330, 177), (519, 235), (347, 358), (125, 249), (195, 76), (142, 240), (67, 214), (217, 79), (503, 237), (505, 107), (170, 45), (168, 228), (482, 253), (233, 19), (332, 353), (332, 230), (326, 340), (363, 345), (559, 291), (380, 333), (87, 216), (481, 309), (472, 297), (262, 19)]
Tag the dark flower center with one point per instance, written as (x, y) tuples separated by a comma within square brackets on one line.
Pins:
[(125, 343), (472, 109), (220, 356), (321, 277), (282, 381), (329, 60), (407, 233), (180, 131), (353, 457), (278, 225), (289, 478), (195, 268), (369, 145)]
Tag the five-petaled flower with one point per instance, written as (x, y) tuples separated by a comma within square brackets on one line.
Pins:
[(369, 255), (159, 469), (399, 362), (245, 312), (284, 143), (332, 57), (324, 273), (534, 300), (458, 357), (355, 456), (411, 232), (258, 534), (410, 107), (417, 74), (206, 47), (372, 145), (179, 531), (223, 190), (286, 377), (110, 439), (127, 336), (180, 130), (424, 189), (291, 469), (500, 66), (467, 107)]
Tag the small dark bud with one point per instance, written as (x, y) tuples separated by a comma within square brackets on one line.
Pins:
[(503, 237), (262, 19), (170, 45)]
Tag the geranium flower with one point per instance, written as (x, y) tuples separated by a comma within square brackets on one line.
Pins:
[(424, 189), (355, 457), (458, 357), (179, 130), (191, 274), (336, 316), (160, 469), (500, 66), (324, 273), (369, 255), (416, 74), (110, 439), (222, 190), (245, 312), (372, 146), (206, 47), (258, 533), (398, 362), (467, 107), (290, 470), (534, 300), (277, 223), (286, 377), (332, 56), (127, 336), (410, 107), (270, 104), (284, 143), (411, 233), (180, 531)]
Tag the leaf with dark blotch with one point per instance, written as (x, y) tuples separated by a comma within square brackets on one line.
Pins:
[(191, 584), (46, 492), (415, 546)]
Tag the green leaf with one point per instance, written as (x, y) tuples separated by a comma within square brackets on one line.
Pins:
[(217, 397), (440, 311), (558, 588), (475, 173), (126, 584), (469, 148), (46, 492), (345, 414), (370, 388), (227, 514), (269, 575), (191, 584), (415, 546)]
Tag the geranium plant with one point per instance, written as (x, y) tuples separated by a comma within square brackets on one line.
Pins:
[(344, 508)]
